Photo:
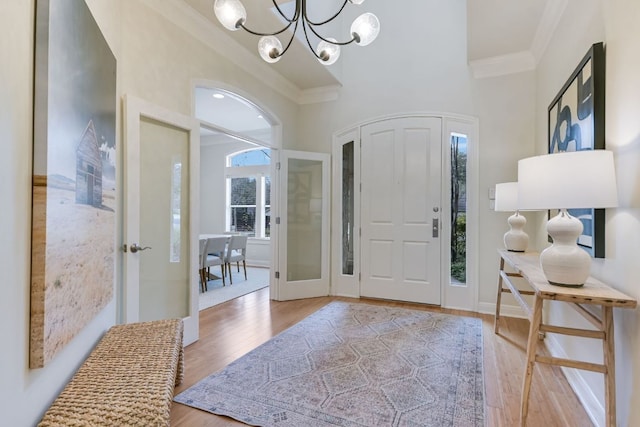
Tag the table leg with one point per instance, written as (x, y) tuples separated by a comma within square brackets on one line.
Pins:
[(532, 344), (609, 362), (496, 325)]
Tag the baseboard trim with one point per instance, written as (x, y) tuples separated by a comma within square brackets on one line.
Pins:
[(505, 310)]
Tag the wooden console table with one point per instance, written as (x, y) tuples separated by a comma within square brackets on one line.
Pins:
[(593, 293)]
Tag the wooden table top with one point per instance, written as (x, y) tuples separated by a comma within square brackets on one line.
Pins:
[(593, 292)]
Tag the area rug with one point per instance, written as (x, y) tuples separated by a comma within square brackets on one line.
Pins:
[(355, 365)]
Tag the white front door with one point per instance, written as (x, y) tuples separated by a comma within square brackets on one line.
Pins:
[(160, 219), (400, 209), (303, 253)]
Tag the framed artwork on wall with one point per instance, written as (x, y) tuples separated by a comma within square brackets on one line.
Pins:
[(74, 176), (576, 122)]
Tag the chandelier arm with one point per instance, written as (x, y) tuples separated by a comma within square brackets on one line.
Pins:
[(313, 30), (293, 34), (256, 33), (304, 28), (296, 14), (306, 18)]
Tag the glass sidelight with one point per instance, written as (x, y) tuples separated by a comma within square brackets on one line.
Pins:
[(348, 205)]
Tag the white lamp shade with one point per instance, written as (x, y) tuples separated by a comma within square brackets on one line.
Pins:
[(229, 12), (506, 197), (570, 180), (367, 27)]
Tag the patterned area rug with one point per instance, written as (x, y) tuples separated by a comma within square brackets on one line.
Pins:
[(355, 365)]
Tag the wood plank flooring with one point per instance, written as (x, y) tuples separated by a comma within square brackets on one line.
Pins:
[(229, 330)]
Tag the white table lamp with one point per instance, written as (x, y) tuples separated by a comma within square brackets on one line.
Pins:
[(570, 180), (515, 240)]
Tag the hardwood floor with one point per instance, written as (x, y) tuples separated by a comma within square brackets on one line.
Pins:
[(229, 330)]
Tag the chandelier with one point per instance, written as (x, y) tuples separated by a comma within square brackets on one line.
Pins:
[(364, 29)]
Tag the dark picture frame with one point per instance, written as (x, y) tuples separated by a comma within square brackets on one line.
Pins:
[(576, 121)]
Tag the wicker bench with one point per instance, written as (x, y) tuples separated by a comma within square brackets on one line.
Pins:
[(127, 380)]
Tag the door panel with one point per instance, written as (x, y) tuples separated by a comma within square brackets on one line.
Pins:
[(401, 168), (161, 216), (304, 250), (164, 225)]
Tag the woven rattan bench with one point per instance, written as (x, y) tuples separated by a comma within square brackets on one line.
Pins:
[(127, 380)]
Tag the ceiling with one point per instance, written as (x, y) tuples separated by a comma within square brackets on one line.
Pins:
[(495, 28)]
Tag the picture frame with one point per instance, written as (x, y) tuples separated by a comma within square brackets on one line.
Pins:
[(576, 121), (73, 239)]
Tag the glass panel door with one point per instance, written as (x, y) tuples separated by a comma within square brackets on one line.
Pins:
[(303, 266)]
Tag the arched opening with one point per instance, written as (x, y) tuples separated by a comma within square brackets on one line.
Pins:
[(236, 140)]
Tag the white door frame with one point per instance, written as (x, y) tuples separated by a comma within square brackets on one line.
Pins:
[(460, 297), (133, 110)]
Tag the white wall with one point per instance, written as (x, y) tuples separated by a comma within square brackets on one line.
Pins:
[(417, 63), (616, 23), (622, 268), (505, 107)]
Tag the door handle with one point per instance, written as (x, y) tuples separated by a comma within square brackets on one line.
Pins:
[(434, 228), (136, 248)]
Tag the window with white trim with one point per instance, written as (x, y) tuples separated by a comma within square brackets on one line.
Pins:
[(249, 192)]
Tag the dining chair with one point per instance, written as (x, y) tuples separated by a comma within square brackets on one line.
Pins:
[(203, 282), (214, 254), (236, 252)]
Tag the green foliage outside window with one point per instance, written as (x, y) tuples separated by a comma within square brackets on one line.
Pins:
[(458, 208)]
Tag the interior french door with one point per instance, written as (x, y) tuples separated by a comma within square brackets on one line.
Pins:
[(303, 250), (400, 209), (160, 216)]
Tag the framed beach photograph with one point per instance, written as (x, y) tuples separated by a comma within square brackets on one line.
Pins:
[(576, 122)]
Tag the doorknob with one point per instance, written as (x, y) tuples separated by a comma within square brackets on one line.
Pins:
[(135, 248)]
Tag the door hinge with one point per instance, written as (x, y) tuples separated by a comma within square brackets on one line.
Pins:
[(359, 277), (361, 187), (278, 166), (360, 232), (277, 274), (277, 220)]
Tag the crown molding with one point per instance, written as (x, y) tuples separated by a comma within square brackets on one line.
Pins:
[(319, 94), (503, 65), (526, 60), (192, 22), (551, 16)]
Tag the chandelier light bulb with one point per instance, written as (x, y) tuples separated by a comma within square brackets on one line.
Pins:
[(230, 13), (356, 1), (270, 49), (328, 52), (365, 28)]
